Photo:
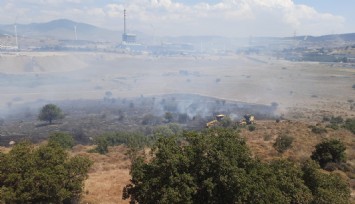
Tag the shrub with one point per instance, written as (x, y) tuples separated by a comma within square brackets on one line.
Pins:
[(132, 139), (333, 126), (168, 117), (251, 128), (226, 122), (329, 150), (350, 125), (318, 130), (150, 119), (101, 145), (336, 120), (183, 118), (283, 143), (65, 140)]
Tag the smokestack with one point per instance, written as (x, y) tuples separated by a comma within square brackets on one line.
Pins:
[(124, 21)]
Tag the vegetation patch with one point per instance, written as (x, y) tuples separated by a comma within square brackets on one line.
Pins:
[(318, 130), (350, 125), (41, 175), (283, 143), (216, 166)]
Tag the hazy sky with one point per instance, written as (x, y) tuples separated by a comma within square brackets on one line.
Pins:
[(233, 18)]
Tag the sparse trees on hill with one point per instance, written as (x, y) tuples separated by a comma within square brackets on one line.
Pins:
[(50, 112), (41, 175)]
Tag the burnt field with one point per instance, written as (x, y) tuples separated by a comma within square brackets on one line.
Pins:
[(87, 119)]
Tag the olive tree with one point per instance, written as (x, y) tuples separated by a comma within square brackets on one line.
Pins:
[(50, 112)]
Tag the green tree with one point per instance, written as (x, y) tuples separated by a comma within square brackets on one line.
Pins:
[(283, 143), (101, 145), (65, 140), (290, 181), (50, 112), (214, 166), (325, 188), (329, 150), (41, 175)]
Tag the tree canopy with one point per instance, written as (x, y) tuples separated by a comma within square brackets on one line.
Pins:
[(50, 112), (216, 166), (41, 175), (329, 150), (65, 140)]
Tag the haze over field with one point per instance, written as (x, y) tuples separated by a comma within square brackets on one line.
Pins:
[(59, 76), (258, 72)]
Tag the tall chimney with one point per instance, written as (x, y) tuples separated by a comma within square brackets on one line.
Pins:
[(124, 22)]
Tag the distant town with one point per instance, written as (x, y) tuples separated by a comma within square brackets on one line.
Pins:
[(68, 36)]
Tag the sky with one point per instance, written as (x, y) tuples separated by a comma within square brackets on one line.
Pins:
[(230, 18)]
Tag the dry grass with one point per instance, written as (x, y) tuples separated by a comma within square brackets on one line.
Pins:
[(302, 146), (4, 149), (107, 177)]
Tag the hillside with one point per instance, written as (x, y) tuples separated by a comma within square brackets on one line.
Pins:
[(110, 172), (62, 29)]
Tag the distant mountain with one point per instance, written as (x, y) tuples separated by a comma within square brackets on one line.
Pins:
[(62, 29)]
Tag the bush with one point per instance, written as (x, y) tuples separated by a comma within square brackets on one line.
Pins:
[(131, 139), (101, 145), (318, 130), (41, 175), (283, 143), (65, 140), (333, 126), (183, 118), (168, 117), (329, 150), (336, 120), (150, 119), (251, 128), (350, 125), (227, 122)]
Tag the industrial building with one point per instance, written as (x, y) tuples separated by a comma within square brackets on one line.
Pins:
[(127, 38)]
